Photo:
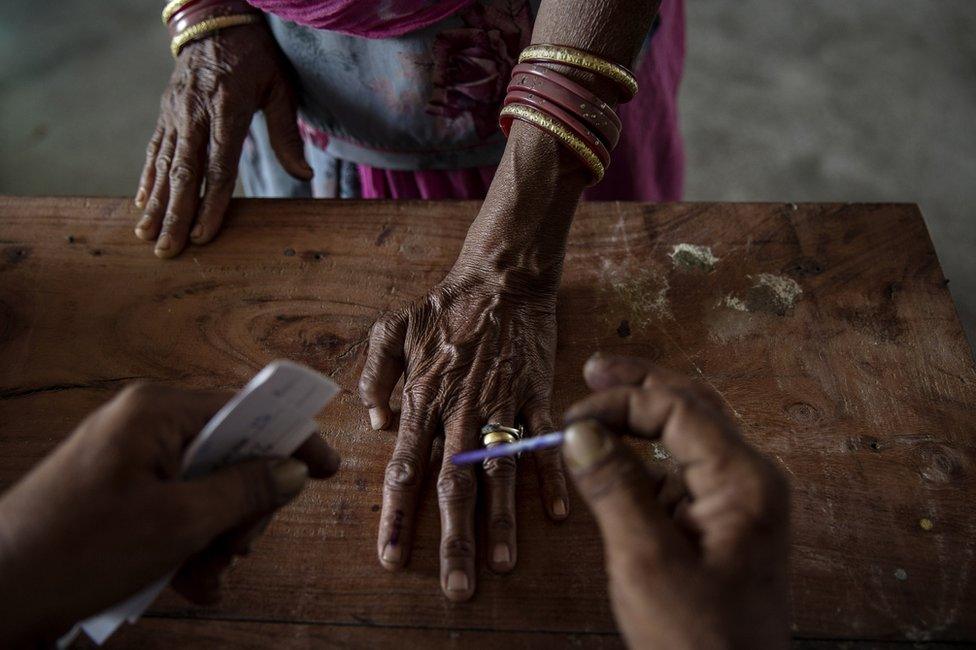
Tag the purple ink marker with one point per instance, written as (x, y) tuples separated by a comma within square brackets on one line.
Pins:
[(546, 441)]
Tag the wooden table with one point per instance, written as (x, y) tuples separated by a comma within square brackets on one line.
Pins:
[(827, 328)]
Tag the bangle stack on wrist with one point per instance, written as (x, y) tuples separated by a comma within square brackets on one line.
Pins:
[(554, 103), (190, 20)]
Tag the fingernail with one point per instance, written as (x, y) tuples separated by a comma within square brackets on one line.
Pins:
[(141, 198), (559, 507), (501, 554), (197, 231), (377, 418), (289, 476), (143, 226), (392, 553), (586, 445), (591, 363), (457, 580), (164, 242)]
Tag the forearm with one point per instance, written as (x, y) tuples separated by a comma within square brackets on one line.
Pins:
[(526, 216)]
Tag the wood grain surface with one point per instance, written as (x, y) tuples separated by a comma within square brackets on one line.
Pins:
[(827, 329)]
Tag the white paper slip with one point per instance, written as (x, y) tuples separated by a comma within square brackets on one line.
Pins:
[(270, 417)]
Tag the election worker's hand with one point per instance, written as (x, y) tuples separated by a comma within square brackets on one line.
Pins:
[(107, 512), (695, 558)]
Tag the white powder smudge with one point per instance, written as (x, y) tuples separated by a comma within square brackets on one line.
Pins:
[(692, 256), (734, 303), (774, 294), (787, 290)]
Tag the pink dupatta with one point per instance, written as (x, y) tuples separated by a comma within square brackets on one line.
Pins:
[(366, 18)]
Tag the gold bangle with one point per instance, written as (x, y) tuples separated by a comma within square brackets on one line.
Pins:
[(580, 59), (205, 27), (557, 130), (497, 436), (171, 8)]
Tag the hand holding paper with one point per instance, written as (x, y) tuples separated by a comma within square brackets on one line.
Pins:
[(135, 492)]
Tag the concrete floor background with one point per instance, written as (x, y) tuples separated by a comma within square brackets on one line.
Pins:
[(861, 100)]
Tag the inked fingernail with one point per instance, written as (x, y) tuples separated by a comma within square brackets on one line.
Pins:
[(586, 445), (377, 418), (289, 477), (197, 231), (164, 242), (559, 507), (501, 554), (392, 553), (141, 198), (457, 580)]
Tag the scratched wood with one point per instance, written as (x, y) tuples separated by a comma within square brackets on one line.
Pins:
[(861, 386)]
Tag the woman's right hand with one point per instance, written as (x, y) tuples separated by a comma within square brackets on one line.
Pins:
[(191, 163)]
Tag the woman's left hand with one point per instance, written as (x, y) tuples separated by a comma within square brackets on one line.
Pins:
[(478, 348)]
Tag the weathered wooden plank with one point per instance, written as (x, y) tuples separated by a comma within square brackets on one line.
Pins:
[(861, 386)]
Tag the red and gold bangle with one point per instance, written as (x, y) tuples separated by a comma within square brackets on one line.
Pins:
[(208, 26), (173, 6), (583, 93), (201, 10), (548, 53), (545, 122), (568, 119), (597, 116)]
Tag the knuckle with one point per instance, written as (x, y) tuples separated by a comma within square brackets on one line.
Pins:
[(501, 469), (181, 174), (154, 206), (171, 219), (219, 173), (403, 472), (162, 163), (457, 546), (456, 484), (502, 522)]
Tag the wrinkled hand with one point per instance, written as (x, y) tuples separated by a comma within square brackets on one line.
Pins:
[(478, 348), (697, 560), (107, 512), (217, 86)]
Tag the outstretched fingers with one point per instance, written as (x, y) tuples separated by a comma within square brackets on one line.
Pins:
[(384, 365), (548, 462), (456, 496), (500, 475), (404, 479)]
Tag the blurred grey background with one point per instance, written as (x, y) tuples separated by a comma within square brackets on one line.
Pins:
[(783, 100)]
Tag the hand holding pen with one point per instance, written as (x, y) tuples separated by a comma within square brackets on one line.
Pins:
[(696, 558)]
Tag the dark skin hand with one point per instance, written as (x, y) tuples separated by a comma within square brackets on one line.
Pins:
[(697, 558), (107, 513), (480, 346), (191, 163)]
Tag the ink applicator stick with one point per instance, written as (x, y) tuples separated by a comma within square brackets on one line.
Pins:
[(554, 439)]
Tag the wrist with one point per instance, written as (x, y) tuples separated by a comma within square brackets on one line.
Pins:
[(524, 222)]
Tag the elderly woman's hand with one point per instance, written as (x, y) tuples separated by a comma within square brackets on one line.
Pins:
[(478, 348), (696, 559), (191, 162)]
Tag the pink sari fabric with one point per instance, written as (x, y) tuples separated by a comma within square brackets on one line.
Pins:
[(647, 165), (366, 18)]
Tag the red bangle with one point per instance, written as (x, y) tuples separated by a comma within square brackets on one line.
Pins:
[(200, 10), (594, 118), (568, 119), (562, 80)]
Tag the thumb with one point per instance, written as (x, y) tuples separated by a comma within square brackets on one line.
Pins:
[(282, 120), (622, 494), (243, 493)]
